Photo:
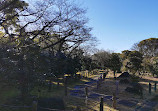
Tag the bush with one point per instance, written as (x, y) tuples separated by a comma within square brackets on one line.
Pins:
[(134, 79), (124, 81), (52, 103), (124, 75), (135, 89)]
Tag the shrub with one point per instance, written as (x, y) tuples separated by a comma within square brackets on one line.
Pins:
[(134, 79), (135, 89), (124, 81)]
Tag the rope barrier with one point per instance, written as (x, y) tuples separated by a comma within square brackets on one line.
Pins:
[(70, 88), (100, 94), (94, 104), (90, 85)]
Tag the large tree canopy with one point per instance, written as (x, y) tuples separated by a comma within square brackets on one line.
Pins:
[(148, 47), (41, 37), (131, 60), (102, 59), (45, 23), (115, 62), (40, 30)]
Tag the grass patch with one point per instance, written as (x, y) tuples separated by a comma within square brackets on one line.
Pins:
[(155, 98), (9, 95)]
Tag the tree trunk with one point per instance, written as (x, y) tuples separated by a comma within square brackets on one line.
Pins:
[(114, 74)]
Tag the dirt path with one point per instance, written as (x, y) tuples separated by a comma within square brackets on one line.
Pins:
[(126, 101), (150, 78), (129, 101)]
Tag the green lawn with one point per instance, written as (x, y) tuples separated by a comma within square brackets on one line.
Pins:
[(9, 94)]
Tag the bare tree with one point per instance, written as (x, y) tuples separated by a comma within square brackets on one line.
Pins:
[(148, 47), (102, 58), (40, 25), (45, 23)]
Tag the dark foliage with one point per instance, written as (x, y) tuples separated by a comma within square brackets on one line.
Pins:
[(52, 103), (124, 81), (135, 89), (125, 75)]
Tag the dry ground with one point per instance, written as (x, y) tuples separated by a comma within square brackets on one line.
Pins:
[(108, 87)]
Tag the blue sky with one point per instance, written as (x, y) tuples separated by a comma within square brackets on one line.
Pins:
[(118, 24)]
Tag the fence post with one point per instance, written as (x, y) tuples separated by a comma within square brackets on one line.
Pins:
[(98, 84), (86, 91), (88, 73), (101, 104), (155, 86), (104, 75), (34, 106), (86, 101), (114, 101), (50, 86), (149, 88), (117, 87)]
